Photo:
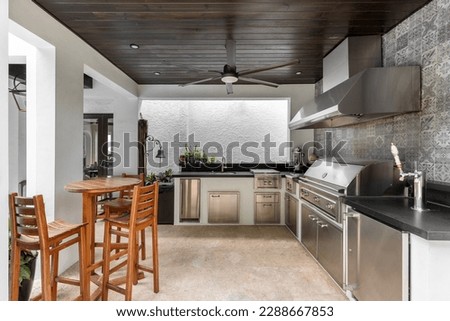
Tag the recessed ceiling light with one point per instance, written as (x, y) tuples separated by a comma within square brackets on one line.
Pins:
[(157, 73), (134, 46), (298, 73)]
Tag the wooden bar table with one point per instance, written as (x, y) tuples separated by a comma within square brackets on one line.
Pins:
[(91, 189)]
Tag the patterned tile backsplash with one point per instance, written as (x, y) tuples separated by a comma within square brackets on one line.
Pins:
[(422, 39)]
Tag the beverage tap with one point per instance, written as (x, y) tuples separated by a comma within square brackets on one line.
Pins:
[(419, 181)]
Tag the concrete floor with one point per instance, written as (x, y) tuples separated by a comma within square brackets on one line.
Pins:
[(215, 263)]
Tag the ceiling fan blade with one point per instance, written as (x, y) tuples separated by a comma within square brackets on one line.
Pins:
[(229, 88), (252, 71), (231, 53), (259, 81), (200, 81)]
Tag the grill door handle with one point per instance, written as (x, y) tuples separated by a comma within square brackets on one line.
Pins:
[(322, 224)]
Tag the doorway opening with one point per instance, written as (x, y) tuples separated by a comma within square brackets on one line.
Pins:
[(97, 145)]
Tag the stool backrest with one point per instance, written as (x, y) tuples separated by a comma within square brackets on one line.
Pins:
[(28, 217), (128, 193), (145, 204)]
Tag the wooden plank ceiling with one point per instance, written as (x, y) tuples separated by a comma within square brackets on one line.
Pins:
[(183, 39)]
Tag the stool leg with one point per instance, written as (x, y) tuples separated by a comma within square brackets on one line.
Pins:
[(84, 273), (54, 274), (106, 260), (46, 275), (143, 248), (155, 257), (131, 264)]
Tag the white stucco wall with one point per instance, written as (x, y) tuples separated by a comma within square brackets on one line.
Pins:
[(298, 94), (234, 128)]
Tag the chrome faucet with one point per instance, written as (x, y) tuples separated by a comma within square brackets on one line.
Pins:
[(222, 165), (419, 181), (419, 189)]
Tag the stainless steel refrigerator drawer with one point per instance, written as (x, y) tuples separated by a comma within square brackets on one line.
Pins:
[(190, 199)]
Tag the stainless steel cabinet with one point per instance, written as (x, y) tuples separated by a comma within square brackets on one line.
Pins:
[(267, 208), (329, 250), (190, 199), (377, 259), (291, 210), (223, 207), (309, 230), (324, 240)]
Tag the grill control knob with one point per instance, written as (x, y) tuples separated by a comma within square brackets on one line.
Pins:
[(330, 206), (304, 193), (316, 199)]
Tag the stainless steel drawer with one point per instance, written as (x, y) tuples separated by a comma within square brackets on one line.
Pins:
[(267, 181), (267, 197), (266, 213)]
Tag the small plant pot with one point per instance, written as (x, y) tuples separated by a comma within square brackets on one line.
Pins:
[(27, 285)]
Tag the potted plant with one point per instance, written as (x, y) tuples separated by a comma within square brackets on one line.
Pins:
[(26, 275), (151, 178)]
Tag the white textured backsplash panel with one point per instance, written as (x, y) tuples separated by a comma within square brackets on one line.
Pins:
[(222, 123)]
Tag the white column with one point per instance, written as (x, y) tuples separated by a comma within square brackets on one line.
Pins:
[(4, 155), (40, 106)]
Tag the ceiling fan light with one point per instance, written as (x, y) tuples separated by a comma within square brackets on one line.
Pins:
[(229, 79)]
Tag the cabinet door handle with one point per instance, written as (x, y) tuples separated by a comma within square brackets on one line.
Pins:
[(322, 224), (267, 205), (313, 218), (215, 195)]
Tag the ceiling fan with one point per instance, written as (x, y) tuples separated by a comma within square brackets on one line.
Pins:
[(230, 75)]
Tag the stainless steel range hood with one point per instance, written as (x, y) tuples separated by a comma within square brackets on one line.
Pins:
[(371, 94)]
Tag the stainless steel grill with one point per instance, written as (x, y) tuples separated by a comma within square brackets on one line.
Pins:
[(321, 190), (325, 182)]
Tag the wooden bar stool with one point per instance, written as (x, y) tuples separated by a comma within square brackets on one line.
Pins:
[(144, 212), (31, 232), (122, 206)]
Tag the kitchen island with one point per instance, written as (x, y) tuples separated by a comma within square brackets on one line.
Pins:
[(429, 241)]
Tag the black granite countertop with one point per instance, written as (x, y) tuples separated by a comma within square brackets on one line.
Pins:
[(228, 174), (397, 213)]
